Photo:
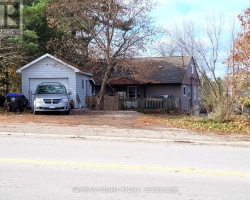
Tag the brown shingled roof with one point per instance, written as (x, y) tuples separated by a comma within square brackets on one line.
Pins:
[(151, 70)]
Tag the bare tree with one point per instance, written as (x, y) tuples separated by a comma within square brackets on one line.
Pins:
[(166, 48), (204, 48), (204, 43), (117, 28)]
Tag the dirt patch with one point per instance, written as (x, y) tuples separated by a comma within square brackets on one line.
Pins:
[(119, 119), (118, 125)]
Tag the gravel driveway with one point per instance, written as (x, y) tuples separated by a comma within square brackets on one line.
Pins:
[(107, 125)]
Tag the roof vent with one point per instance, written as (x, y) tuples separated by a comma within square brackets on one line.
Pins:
[(160, 66)]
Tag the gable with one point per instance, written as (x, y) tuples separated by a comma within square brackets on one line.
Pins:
[(191, 74), (51, 62), (47, 66)]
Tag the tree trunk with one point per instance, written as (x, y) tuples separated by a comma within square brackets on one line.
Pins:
[(100, 96)]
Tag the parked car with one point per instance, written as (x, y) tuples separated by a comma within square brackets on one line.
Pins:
[(51, 96)]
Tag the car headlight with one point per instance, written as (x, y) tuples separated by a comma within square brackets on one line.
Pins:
[(65, 100), (39, 100)]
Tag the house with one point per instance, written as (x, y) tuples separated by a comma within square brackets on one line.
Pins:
[(48, 68), (152, 77)]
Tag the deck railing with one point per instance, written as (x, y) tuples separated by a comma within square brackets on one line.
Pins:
[(139, 104), (142, 104)]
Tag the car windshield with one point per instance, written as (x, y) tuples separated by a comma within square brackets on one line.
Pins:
[(51, 89)]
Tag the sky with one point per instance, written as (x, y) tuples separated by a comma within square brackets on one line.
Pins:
[(174, 11), (171, 12)]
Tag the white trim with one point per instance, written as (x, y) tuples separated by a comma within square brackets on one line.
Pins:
[(54, 58), (85, 73)]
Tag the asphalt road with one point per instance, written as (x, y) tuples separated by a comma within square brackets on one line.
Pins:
[(44, 169)]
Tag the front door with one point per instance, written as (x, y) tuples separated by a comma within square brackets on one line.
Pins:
[(132, 95), (132, 92)]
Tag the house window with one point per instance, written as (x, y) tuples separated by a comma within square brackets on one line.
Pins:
[(192, 69), (92, 90), (86, 86), (184, 90), (131, 91)]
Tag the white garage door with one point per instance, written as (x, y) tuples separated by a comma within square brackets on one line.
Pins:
[(34, 82)]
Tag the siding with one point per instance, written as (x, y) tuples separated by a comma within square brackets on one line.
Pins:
[(48, 68), (173, 89), (185, 99), (82, 92), (191, 79), (189, 76)]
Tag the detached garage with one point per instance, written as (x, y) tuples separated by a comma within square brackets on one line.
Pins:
[(48, 68)]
